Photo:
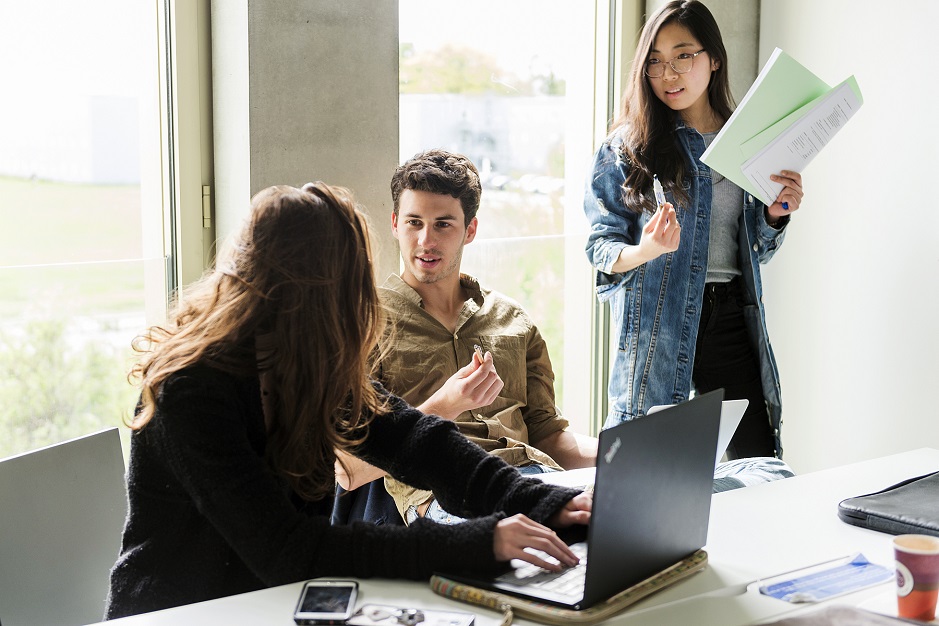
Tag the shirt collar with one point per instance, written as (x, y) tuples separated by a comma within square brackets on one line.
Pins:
[(395, 283)]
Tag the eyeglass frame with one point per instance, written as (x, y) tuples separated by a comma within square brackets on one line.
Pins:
[(645, 66)]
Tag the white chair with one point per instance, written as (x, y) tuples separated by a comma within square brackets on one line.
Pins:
[(62, 509)]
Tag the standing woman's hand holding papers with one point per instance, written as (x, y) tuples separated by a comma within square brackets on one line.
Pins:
[(788, 200)]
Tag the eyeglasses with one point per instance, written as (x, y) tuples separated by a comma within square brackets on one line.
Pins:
[(682, 64)]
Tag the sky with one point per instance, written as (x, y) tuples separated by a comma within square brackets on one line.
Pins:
[(77, 47)]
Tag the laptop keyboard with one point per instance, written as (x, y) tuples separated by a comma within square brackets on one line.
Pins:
[(568, 582)]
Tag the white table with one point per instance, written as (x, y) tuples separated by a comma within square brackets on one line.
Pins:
[(766, 530), (754, 533)]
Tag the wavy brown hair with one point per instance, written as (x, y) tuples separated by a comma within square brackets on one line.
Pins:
[(650, 146), (294, 299)]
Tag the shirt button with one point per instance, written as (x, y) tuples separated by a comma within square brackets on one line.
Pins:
[(749, 198), (756, 248)]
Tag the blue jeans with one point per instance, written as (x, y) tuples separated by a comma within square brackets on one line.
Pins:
[(436, 513), (749, 471)]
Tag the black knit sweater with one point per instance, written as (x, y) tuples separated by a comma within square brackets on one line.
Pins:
[(207, 518)]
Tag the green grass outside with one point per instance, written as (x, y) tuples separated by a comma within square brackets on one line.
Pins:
[(67, 251), (47, 226)]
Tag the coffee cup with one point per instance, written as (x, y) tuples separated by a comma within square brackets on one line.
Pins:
[(917, 576)]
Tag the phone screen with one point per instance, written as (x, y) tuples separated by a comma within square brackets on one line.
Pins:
[(326, 599), (326, 602)]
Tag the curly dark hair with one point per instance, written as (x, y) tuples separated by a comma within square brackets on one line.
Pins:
[(440, 172)]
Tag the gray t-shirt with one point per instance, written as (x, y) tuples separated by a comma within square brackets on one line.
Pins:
[(726, 206)]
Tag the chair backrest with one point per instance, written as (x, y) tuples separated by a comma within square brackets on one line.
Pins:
[(62, 509)]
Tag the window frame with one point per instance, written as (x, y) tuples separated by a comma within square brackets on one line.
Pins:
[(187, 150)]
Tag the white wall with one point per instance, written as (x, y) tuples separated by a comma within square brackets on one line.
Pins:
[(852, 298)]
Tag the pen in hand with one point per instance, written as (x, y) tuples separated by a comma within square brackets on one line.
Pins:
[(659, 192)]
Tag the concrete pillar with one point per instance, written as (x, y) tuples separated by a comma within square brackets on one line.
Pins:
[(306, 90)]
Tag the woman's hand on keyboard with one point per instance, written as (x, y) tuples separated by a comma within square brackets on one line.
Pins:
[(514, 534), (576, 511)]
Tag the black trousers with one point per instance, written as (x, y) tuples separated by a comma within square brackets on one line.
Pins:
[(725, 358)]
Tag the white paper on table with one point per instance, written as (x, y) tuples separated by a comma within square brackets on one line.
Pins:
[(795, 147)]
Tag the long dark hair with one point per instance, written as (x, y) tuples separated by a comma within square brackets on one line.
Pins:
[(650, 146), (299, 278)]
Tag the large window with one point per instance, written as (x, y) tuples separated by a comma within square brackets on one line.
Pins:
[(80, 208), (512, 86)]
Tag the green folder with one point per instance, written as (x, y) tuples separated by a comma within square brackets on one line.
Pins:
[(783, 93)]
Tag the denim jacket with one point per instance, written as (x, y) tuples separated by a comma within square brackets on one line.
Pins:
[(656, 306)]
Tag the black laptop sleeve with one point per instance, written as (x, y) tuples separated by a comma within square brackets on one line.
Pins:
[(908, 507)]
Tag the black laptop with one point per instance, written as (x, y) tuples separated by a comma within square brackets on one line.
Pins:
[(651, 503)]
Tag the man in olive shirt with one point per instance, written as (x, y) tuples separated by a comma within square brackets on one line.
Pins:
[(504, 401), (522, 425)]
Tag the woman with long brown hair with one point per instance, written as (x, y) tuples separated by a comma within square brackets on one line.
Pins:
[(681, 269), (261, 375)]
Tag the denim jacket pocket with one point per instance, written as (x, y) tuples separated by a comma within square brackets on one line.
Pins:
[(624, 311)]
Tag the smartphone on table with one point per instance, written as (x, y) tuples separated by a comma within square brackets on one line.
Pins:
[(326, 602)]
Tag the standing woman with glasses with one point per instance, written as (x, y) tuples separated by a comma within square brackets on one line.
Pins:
[(683, 275)]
